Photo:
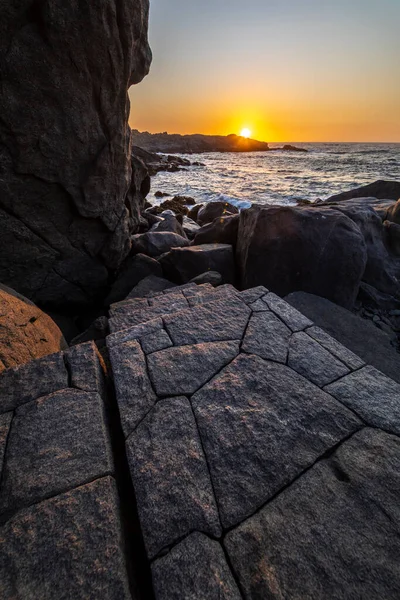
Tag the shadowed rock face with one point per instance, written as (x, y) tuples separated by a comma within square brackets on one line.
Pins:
[(68, 197)]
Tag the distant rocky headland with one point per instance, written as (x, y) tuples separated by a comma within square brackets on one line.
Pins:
[(198, 143)]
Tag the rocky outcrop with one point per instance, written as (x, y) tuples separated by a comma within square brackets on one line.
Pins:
[(26, 333), (160, 162), (262, 454), (316, 250), (383, 190), (69, 200), (196, 143)]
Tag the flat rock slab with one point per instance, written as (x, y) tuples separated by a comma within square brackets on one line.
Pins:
[(217, 321), (313, 361), (253, 294), (289, 315), (87, 368), (183, 370), (135, 395), (55, 444), (334, 533), (158, 340), (336, 348), (5, 422), (135, 333), (170, 476), (197, 569), (66, 547), (372, 395), (31, 381), (261, 425), (267, 336)]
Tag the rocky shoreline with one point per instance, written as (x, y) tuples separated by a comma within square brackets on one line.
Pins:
[(167, 143), (196, 402)]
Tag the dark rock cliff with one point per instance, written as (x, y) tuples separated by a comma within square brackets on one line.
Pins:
[(68, 198)]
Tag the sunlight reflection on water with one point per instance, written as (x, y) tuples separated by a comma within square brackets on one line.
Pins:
[(282, 177)]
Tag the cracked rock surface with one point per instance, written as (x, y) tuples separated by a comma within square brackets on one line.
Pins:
[(263, 459)]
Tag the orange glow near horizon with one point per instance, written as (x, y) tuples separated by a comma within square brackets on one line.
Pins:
[(246, 132), (309, 88)]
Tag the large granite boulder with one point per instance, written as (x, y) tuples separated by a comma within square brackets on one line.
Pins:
[(26, 332), (223, 230), (183, 264), (155, 243), (382, 270), (384, 190), (215, 210), (68, 199), (316, 250)]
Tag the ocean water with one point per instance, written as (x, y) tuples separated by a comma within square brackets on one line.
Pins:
[(282, 177)]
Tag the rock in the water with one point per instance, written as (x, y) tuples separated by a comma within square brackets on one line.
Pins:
[(56, 443), (156, 243), (384, 190), (197, 569), (171, 507), (26, 333), (359, 335), (133, 270), (316, 250), (69, 546), (332, 534), (223, 230), (261, 425), (183, 264), (213, 210), (69, 199), (212, 277)]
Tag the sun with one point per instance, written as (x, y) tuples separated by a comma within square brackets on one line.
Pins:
[(246, 133)]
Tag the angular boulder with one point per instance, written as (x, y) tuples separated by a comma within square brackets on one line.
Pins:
[(316, 250), (183, 264), (68, 198), (134, 269), (223, 230), (213, 210), (384, 190), (26, 333), (382, 270), (155, 243)]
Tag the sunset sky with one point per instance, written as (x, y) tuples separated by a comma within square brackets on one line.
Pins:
[(289, 70)]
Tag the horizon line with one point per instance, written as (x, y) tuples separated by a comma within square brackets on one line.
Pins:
[(269, 142)]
